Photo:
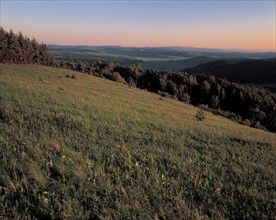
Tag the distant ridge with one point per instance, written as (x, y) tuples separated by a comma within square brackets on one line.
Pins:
[(177, 48), (240, 70), (161, 58)]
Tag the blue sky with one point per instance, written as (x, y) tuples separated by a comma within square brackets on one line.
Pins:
[(242, 24)]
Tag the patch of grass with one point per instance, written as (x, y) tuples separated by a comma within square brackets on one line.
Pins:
[(92, 148)]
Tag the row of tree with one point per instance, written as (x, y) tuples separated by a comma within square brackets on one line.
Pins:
[(250, 105), (18, 49)]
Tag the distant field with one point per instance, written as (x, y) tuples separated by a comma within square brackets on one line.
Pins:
[(89, 148), (147, 58), (161, 58)]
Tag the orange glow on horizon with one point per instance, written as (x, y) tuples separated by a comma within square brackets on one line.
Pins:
[(233, 25), (247, 39)]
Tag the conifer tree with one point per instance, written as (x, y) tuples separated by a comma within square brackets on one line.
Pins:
[(15, 48)]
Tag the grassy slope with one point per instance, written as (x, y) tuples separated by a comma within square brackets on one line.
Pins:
[(89, 147)]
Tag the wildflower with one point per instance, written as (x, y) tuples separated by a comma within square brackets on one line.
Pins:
[(45, 200), (137, 166)]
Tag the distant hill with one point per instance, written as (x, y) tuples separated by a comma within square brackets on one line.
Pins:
[(240, 70), (161, 58), (177, 65)]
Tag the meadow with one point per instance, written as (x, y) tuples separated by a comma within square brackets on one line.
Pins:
[(81, 147)]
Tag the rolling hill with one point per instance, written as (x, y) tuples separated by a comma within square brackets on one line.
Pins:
[(77, 146), (240, 70), (161, 58), (176, 65)]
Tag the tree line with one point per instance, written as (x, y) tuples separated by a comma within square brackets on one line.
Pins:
[(18, 49), (248, 105), (240, 70)]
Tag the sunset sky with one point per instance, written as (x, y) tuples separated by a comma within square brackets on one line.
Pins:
[(236, 24)]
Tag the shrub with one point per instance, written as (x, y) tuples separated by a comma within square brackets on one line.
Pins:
[(204, 107), (118, 78), (185, 98), (164, 94), (200, 115)]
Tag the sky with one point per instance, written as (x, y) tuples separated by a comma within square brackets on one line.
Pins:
[(223, 24)]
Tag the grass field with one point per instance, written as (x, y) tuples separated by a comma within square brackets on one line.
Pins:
[(90, 148)]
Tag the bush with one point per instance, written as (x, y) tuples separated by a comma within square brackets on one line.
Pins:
[(204, 107), (200, 115), (164, 94)]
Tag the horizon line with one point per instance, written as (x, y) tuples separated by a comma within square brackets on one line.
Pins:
[(186, 47)]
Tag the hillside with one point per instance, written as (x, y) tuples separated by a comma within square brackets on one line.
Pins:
[(241, 71), (248, 105), (78, 146), (176, 65)]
